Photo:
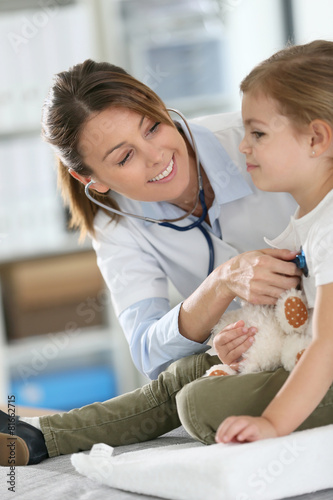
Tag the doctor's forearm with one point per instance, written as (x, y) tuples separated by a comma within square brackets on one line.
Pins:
[(202, 310), (152, 332)]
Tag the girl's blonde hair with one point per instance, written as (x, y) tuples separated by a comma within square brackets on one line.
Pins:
[(300, 79), (76, 95)]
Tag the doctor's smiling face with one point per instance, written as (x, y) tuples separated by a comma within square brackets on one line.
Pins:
[(135, 156)]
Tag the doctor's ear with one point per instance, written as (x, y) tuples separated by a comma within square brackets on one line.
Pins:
[(97, 186)]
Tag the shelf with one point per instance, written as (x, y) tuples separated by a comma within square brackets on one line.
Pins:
[(66, 244), (48, 349), (8, 5)]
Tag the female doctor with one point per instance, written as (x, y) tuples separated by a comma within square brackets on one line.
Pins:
[(120, 152)]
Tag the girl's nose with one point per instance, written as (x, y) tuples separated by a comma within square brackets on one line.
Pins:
[(244, 146)]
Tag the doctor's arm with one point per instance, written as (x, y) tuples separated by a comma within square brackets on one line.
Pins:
[(151, 330), (304, 389)]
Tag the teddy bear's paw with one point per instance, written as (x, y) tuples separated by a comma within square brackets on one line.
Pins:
[(296, 312), (299, 355), (291, 311), (293, 348), (219, 370)]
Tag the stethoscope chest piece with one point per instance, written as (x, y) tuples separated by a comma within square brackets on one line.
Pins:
[(300, 262)]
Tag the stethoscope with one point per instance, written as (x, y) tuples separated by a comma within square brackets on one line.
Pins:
[(300, 262), (169, 222)]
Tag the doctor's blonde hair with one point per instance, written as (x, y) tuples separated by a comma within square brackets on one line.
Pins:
[(76, 95), (300, 79)]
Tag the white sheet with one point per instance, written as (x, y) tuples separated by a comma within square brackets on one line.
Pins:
[(265, 470)]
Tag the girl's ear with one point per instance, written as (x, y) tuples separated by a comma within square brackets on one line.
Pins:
[(97, 186), (321, 136)]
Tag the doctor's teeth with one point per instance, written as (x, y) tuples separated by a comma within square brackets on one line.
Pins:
[(165, 173)]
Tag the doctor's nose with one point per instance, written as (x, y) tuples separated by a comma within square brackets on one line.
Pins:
[(154, 156)]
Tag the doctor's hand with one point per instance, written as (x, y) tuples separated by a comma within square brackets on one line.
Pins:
[(231, 343), (260, 276)]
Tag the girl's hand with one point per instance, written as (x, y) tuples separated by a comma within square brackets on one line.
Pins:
[(260, 277), (231, 343), (245, 429)]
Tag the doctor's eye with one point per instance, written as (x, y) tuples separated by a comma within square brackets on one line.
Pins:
[(153, 128), (125, 159)]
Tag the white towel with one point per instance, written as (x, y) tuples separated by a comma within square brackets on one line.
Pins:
[(264, 470)]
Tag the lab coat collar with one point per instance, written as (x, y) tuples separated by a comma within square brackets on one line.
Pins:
[(225, 178)]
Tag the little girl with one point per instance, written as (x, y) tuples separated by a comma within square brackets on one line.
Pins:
[(287, 112)]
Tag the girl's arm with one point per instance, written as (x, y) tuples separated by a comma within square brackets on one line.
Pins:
[(305, 388)]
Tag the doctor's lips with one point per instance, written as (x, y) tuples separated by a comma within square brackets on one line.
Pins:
[(165, 174), (250, 167)]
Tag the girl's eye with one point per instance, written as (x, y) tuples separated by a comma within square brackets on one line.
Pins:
[(257, 134), (124, 160)]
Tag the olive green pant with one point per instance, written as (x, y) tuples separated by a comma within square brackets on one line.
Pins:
[(180, 396)]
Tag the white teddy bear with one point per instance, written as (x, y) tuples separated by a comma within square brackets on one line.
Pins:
[(283, 333)]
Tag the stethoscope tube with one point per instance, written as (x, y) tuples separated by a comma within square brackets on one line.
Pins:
[(210, 248), (170, 223), (198, 224)]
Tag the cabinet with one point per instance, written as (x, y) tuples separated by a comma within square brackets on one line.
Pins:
[(60, 344)]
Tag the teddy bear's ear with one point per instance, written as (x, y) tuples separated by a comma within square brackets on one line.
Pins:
[(291, 311)]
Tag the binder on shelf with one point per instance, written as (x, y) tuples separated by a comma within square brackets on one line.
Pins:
[(66, 389)]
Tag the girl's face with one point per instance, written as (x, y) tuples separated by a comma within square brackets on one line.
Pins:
[(135, 156), (276, 154)]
